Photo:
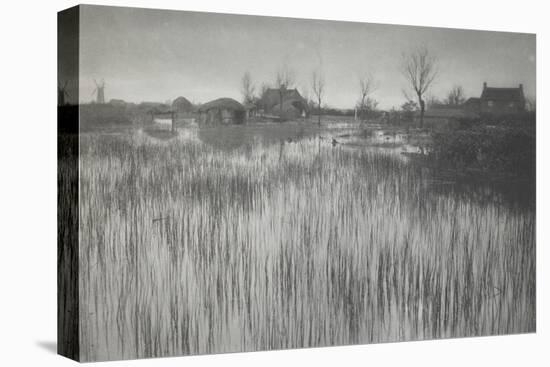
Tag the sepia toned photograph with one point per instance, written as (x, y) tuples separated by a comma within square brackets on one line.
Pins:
[(235, 183)]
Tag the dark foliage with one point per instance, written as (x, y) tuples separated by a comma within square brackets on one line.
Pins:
[(502, 149)]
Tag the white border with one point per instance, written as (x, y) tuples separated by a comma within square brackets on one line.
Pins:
[(28, 182)]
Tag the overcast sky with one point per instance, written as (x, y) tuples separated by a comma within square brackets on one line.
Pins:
[(158, 55)]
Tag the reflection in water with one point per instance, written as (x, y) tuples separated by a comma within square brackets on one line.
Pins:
[(398, 145)]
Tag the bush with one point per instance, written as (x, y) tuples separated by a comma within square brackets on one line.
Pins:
[(518, 119), (503, 149)]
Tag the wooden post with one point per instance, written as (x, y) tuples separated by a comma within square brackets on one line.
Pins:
[(173, 121)]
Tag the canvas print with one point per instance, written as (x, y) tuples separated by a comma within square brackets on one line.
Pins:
[(233, 183)]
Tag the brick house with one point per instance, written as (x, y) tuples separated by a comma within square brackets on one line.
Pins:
[(500, 101)]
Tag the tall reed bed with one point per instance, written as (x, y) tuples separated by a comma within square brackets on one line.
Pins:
[(190, 250), (67, 250)]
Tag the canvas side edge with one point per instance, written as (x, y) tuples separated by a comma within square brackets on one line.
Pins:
[(68, 333)]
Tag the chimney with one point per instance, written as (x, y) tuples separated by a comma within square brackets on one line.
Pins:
[(521, 87), (484, 85)]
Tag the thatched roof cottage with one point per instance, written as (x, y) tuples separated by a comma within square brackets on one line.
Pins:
[(182, 105), (222, 111), (294, 105)]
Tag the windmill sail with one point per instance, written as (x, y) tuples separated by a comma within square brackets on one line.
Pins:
[(99, 91)]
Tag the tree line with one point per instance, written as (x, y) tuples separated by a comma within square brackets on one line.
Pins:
[(419, 69)]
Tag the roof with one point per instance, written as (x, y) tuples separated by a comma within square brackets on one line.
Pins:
[(291, 105), (225, 103), (272, 96), (471, 101), (155, 107), (249, 106), (182, 104), (502, 94), (472, 104)]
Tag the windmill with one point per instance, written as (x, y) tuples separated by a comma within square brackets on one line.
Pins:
[(99, 91), (62, 93)]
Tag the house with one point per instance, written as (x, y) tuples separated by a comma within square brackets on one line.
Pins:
[(472, 104), (181, 105), (293, 104), (493, 101), (222, 111), (251, 109), (500, 101), (117, 102)]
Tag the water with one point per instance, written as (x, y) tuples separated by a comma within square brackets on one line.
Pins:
[(210, 243), (163, 121)]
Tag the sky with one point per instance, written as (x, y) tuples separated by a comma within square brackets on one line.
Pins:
[(158, 55)]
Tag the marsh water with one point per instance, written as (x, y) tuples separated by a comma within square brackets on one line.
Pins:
[(270, 236)]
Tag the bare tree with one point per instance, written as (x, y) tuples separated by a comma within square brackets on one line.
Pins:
[(367, 85), (318, 87), (283, 81), (305, 92), (263, 90), (371, 104), (419, 69), (247, 88), (455, 97)]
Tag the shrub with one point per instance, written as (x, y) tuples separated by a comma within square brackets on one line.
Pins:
[(504, 149)]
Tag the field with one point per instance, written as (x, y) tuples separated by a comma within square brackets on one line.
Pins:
[(186, 248)]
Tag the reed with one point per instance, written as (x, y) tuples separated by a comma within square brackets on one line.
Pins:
[(185, 249)]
